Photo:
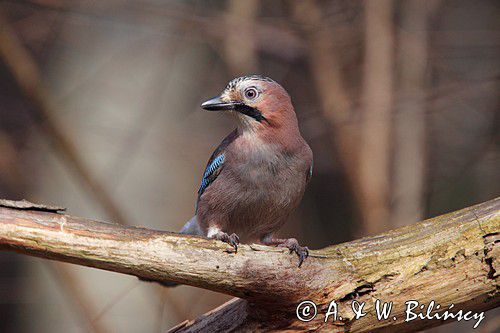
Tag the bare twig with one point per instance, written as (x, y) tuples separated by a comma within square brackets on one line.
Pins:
[(25, 71), (73, 287), (374, 156), (208, 22), (11, 173), (409, 127), (240, 49), (336, 102)]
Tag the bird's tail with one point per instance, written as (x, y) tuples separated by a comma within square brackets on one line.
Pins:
[(190, 228)]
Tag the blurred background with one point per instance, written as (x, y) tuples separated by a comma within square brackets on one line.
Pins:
[(99, 113)]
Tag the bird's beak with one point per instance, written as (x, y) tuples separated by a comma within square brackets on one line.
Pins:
[(216, 104)]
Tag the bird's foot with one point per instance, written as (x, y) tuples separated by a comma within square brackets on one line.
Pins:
[(293, 245), (232, 239)]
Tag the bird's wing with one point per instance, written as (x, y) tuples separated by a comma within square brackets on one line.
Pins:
[(310, 172), (215, 164), (211, 172)]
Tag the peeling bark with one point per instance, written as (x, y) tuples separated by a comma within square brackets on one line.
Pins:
[(449, 259), (26, 205)]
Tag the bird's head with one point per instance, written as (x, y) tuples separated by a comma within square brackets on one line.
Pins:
[(258, 102)]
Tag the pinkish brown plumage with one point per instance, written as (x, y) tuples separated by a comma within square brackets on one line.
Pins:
[(258, 174)]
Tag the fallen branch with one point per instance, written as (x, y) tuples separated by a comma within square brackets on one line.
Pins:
[(449, 259)]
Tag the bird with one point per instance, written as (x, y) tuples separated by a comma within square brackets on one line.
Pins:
[(258, 174)]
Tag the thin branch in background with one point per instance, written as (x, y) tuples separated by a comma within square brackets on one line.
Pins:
[(323, 61), (27, 75), (271, 38), (69, 281), (115, 300), (240, 45), (374, 147), (161, 310), (161, 82), (25, 71), (11, 175), (47, 27), (409, 126), (176, 313), (491, 326), (147, 117), (336, 103)]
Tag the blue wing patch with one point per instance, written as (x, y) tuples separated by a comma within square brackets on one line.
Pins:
[(310, 173), (211, 173)]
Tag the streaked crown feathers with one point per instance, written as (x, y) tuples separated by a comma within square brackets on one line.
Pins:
[(234, 83)]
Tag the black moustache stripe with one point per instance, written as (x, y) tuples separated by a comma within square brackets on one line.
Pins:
[(249, 111)]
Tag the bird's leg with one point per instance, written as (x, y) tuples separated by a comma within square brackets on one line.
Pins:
[(232, 239), (291, 243)]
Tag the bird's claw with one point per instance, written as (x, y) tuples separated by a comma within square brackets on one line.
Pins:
[(293, 246), (302, 252), (232, 239)]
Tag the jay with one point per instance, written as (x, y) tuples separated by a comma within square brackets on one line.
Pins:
[(256, 177)]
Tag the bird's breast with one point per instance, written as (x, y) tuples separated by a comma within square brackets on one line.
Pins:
[(268, 191), (257, 189), (269, 176), (260, 166)]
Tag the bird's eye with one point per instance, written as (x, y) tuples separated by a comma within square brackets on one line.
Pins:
[(251, 93)]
